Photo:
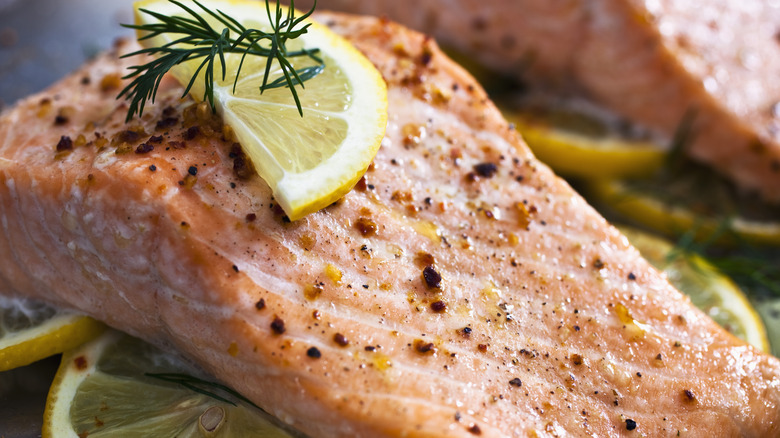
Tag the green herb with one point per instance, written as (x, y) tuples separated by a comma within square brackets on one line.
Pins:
[(201, 386), (754, 269), (195, 38)]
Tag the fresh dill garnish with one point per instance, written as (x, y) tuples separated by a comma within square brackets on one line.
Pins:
[(201, 386), (197, 39)]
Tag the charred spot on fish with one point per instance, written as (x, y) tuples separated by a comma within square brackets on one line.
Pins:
[(340, 339), (439, 306), (277, 325), (251, 217), (424, 347), (65, 144), (688, 396), (366, 226), (166, 122), (516, 382), (431, 278), (314, 353), (474, 430), (260, 304), (630, 424), (144, 148)]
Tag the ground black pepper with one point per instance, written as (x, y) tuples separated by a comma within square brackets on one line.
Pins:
[(340, 339), (277, 325), (630, 424), (65, 144), (260, 305), (314, 353), (431, 277), (516, 382), (485, 170), (438, 306)]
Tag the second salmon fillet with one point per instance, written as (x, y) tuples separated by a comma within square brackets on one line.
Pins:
[(657, 63), (461, 289)]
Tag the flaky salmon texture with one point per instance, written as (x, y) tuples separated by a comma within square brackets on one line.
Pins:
[(461, 289)]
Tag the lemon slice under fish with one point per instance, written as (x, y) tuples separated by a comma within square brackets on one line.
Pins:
[(709, 290), (120, 386), (31, 331)]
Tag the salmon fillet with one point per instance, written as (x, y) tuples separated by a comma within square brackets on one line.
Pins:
[(461, 289), (651, 62)]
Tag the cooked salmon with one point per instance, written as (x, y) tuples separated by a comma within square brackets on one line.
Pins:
[(657, 63), (461, 289)]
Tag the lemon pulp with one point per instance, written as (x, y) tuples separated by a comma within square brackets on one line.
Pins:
[(311, 161)]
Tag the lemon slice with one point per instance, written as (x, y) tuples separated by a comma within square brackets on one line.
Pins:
[(578, 144), (311, 161), (119, 386), (649, 203), (709, 290), (31, 331)]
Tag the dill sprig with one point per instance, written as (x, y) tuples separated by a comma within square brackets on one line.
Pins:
[(197, 39), (753, 268), (205, 387)]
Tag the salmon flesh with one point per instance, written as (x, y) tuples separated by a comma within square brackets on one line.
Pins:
[(662, 64), (461, 289)]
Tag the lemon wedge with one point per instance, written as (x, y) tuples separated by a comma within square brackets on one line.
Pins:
[(31, 331), (709, 290), (120, 386), (577, 144), (649, 204), (308, 161)]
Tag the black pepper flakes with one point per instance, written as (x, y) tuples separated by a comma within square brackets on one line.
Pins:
[(314, 353), (340, 339), (466, 331), (192, 132), (423, 347), (485, 170), (516, 382), (167, 122), (688, 396), (439, 306), (192, 170), (431, 277), (251, 217), (60, 120), (153, 168), (631, 276), (277, 325), (65, 144), (260, 305), (144, 148), (630, 424), (475, 430)]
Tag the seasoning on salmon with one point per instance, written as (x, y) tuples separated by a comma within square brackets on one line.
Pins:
[(368, 355)]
